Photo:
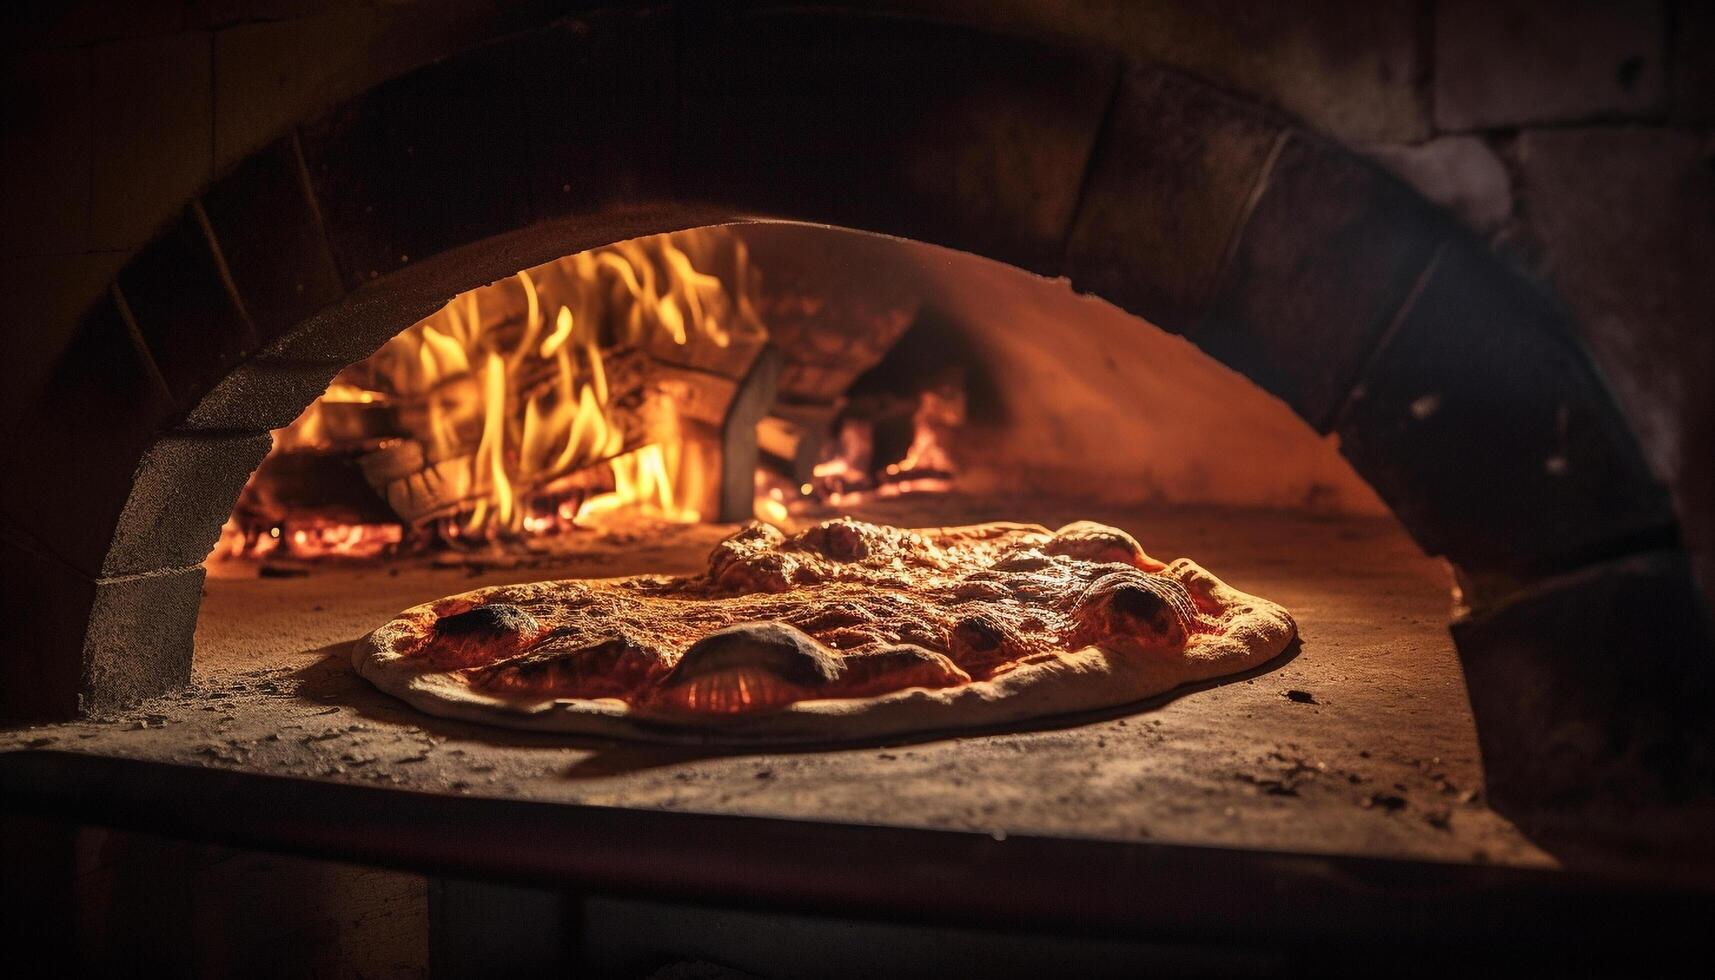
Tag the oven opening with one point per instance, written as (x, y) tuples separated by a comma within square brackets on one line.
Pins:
[(621, 411)]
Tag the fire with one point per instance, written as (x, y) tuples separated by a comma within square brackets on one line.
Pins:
[(928, 463), (314, 539), (527, 407), (847, 473), (593, 389)]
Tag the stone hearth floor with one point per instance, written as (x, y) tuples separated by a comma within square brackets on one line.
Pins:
[(1374, 753)]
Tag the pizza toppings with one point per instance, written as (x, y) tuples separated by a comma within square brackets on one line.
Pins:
[(982, 644), (618, 667), (1136, 612), (771, 648), (760, 666), (468, 639), (897, 668)]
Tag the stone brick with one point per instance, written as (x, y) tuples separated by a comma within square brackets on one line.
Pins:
[(1693, 73), (1483, 426), (222, 13), (88, 646), (184, 489), (272, 73), (1593, 690), (1348, 69), (259, 395), (45, 156), (350, 330), (424, 163), (270, 236), (1459, 173), (46, 607), (606, 120), (44, 299), (1625, 221), (153, 150), (70, 466), (140, 638), (178, 297), (58, 23), (1321, 266), (1502, 63), (937, 133), (1167, 190)]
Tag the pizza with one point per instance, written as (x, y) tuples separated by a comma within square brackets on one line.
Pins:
[(842, 631)]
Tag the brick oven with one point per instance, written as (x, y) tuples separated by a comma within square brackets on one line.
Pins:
[(320, 311)]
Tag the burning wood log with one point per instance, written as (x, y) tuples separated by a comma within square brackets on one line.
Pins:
[(699, 396), (420, 488), (634, 376), (311, 484)]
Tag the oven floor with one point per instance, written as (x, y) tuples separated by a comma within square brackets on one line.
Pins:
[(1380, 760)]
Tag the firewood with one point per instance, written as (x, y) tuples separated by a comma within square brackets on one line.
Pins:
[(311, 483), (419, 487)]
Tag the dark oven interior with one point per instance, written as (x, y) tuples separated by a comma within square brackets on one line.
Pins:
[(1396, 317)]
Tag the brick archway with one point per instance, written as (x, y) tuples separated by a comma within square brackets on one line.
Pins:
[(1456, 387)]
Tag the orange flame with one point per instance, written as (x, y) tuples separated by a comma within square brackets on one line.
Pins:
[(513, 389)]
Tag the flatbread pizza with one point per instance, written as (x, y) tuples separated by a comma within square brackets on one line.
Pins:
[(843, 631)]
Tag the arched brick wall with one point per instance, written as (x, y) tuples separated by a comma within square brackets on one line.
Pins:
[(1456, 388)]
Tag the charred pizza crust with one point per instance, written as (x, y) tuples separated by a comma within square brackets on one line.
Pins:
[(844, 631)]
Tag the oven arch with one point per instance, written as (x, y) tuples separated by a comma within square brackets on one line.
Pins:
[(1457, 387)]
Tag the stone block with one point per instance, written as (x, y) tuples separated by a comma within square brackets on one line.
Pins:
[(59, 23), (66, 476), (607, 115), (45, 158), (153, 112), (184, 488), (938, 133), (1693, 71), (1168, 187), (85, 646), (139, 639), (1624, 219), (1593, 690), (1459, 173), (270, 236), (1323, 263), (1503, 63), (45, 298), (176, 292), (271, 73), (1483, 426), (1347, 69), (260, 394), (424, 163)]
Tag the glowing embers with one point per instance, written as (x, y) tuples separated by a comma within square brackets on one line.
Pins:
[(521, 409), (848, 474), (314, 539)]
